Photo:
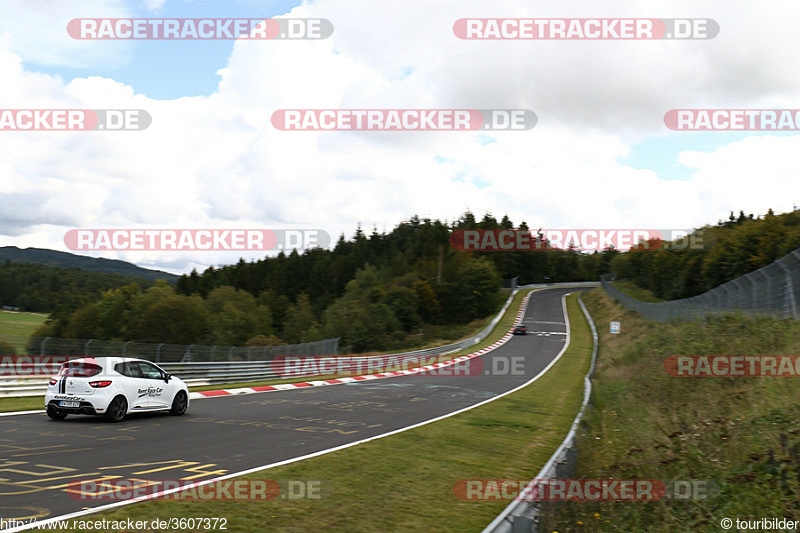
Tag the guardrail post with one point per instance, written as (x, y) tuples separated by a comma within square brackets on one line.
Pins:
[(125, 348), (158, 352), (41, 350), (211, 355), (86, 348), (188, 355)]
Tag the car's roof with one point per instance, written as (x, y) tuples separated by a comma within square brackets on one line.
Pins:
[(105, 361)]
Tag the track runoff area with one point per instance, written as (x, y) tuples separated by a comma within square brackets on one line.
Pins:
[(61, 470)]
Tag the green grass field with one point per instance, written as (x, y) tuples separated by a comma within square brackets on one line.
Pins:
[(405, 482), (15, 328), (742, 434), (634, 291)]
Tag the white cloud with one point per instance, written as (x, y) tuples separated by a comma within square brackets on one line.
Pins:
[(217, 162), (38, 32)]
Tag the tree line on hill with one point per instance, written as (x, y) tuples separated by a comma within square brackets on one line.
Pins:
[(44, 288), (382, 291), (55, 258), (740, 245)]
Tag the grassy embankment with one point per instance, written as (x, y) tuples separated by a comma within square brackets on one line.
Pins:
[(634, 291), (742, 433), (16, 327)]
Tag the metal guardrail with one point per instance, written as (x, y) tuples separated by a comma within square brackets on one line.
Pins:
[(169, 353), (460, 345), (466, 343), (209, 372), (197, 364), (771, 290), (194, 374), (13, 386), (521, 515)]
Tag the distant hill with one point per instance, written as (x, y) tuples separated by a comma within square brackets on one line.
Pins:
[(94, 264)]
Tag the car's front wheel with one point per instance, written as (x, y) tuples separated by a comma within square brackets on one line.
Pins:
[(117, 409), (179, 404), (55, 413)]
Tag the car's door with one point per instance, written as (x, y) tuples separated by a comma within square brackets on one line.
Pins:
[(159, 392), (135, 385)]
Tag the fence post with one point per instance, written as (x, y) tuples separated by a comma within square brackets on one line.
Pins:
[(125, 348), (86, 348), (740, 292), (188, 355), (158, 353), (789, 289), (41, 350), (753, 302), (727, 296), (780, 295)]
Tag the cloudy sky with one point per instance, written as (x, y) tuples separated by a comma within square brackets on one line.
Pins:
[(600, 155)]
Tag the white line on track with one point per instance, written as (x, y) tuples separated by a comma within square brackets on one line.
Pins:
[(318, 453)]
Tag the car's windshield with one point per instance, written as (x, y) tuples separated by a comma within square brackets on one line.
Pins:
[(80, 370)]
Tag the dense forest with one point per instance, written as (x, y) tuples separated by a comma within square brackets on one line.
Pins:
[(55, 258), (376, 291), (741, 244), (43, 288), (379, 291)]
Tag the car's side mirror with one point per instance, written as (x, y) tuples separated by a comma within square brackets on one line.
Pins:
[(167, 377)]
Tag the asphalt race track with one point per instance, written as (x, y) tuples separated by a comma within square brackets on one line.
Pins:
[(228, 434)]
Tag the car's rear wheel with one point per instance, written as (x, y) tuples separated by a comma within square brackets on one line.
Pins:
[(179, 404), (117, 409), (55, 413)]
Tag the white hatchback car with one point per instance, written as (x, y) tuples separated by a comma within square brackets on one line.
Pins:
[(113, 387)]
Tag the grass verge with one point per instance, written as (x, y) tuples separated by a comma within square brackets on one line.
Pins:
[(636, 292), (742, 434), (405, 482)]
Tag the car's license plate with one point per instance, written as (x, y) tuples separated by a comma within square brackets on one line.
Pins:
[(69, 404)]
